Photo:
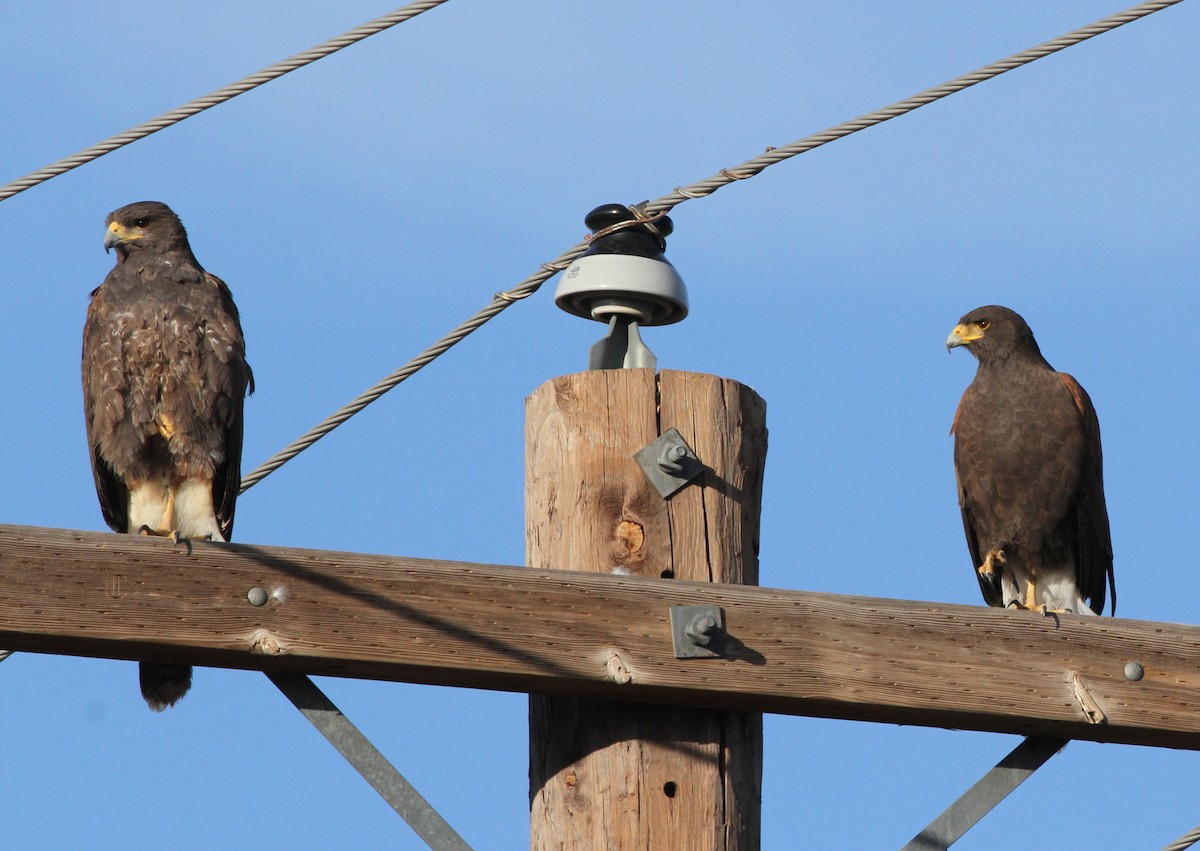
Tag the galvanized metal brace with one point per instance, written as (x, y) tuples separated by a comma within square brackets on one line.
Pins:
[(369, 762), (991, 789)]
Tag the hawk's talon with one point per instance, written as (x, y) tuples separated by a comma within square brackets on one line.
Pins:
[(988, 569), (180, 539)]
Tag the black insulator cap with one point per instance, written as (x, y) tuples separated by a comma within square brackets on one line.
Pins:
[(637, 240)]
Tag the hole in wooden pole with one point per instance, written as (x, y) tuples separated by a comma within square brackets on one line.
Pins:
[(669, 788)]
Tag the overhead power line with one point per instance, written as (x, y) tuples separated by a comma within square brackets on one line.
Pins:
[(1186, 841), (699, 189), (221, 95)]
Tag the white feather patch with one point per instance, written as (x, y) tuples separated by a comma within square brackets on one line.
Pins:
[(1057, 590), (149, 505), (194, 514)]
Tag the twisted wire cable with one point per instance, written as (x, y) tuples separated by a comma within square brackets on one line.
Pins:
[(498, 303), (221, 95), (699, 189), (753, 166), (1186, 841)]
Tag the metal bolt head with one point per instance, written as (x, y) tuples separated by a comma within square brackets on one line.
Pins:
[(1134, 671), (700, 629), (670, 459), (257, 596)]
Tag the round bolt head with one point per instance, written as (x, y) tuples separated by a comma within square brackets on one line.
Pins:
[(671, 458), (257, 596), (700, 630), (1134, 671)]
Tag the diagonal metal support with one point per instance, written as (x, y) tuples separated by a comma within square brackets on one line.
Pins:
[(991, 789), (369, 762)]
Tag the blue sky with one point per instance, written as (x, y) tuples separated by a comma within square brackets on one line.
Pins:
[(363, 206)]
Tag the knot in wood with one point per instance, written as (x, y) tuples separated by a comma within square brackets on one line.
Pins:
[(617, 670), (629, 542), (262, 643)]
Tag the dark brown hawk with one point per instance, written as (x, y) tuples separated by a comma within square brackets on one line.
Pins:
[(1030, 473), (164, 381)]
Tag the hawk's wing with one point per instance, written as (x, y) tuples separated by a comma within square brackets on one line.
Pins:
[(231, 380), (1094, 568), (992, 593), (103, 380)]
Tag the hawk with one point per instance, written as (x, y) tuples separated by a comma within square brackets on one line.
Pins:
[(164, 382), (1030, 473)]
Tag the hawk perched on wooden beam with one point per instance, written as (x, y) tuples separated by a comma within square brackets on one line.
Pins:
[(1030, 473), (164, 381)]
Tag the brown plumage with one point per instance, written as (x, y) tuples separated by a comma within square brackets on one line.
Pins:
[(1030, 473), (164, 381)]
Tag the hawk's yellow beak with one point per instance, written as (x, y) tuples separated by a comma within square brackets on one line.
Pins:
[(963, 334), (118, 234)]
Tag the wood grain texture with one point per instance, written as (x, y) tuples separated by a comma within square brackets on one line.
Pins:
[(607, 775), (554, 631)]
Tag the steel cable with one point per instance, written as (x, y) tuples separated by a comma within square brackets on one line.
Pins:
[(1186, 841), (221, 95)]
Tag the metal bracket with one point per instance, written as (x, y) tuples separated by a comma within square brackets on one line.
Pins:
[(696, 631), (669, 463), (621, 347), (369, 762), (991, 789)]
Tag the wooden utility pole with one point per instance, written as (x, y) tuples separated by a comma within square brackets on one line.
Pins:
[(609, 774)]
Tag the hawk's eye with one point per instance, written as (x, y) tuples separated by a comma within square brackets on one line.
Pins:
[(983, 324), (140, 223)]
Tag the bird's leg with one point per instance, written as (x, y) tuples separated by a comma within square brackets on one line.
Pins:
[(1032, 604), (1030, 595), (167, 527), (988, 569)]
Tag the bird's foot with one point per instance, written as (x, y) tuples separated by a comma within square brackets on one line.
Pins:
[(178, 537), (988, 569), (159, 533), (1027, 606), (1049, 612), (1030, 605)]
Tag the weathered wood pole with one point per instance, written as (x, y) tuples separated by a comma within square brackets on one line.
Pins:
[(614, 775)]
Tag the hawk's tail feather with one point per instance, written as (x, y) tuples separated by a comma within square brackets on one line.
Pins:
[(162, 684)]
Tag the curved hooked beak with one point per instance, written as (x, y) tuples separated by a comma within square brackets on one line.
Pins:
[(962, 335), (115, 235)]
